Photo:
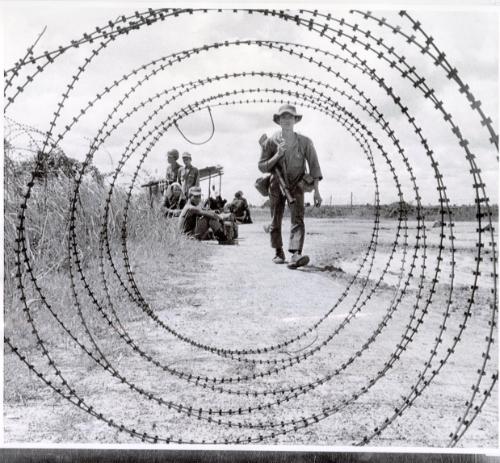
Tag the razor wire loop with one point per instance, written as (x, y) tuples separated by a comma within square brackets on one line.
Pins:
[(203, 142), (229, 412), (133, 149), (152, 131), (464, 423), (346, 79)]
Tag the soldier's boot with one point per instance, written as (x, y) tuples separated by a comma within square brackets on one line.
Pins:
[(279, 258), (298, 260)]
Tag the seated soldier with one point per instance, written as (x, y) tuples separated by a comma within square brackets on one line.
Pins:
[(239, 207), (202, 224), (173, 200)]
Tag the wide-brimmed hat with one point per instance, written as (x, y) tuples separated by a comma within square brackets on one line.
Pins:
[(195, 191), (287, 108), (186, 155), (173, 153)]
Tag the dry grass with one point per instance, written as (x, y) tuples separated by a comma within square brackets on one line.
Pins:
[(150, 236)]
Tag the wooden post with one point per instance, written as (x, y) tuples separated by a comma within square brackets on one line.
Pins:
[(209, 181)]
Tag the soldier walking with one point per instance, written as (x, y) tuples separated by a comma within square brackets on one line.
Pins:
[(288, 152)]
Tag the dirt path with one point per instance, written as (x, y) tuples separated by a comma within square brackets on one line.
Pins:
[(238, 299), (269, 301)]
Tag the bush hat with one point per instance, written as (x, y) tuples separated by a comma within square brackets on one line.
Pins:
[(195, 191), (173, 153), (186, 155), (287, 108)]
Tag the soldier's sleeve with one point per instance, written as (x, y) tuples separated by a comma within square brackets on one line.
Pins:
[(312, 160), (179, 175)]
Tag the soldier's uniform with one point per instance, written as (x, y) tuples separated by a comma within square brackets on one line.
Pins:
[(188, 176), (239, 207), (172, 169), (195, 222), (174, 198), (172, 173), (293, 167)]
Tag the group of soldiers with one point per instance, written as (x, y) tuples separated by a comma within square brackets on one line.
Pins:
[(290, 161), (182, 199), (179, 179)]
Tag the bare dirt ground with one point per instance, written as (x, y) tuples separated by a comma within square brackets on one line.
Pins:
[(234, 297)]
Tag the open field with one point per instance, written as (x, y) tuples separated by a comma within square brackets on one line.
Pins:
[(234, 298)]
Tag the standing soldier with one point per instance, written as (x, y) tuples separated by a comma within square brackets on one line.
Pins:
[(188, 176), (284, 154), (172, 167)]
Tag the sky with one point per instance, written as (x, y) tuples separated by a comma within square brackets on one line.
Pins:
[(469, 38)]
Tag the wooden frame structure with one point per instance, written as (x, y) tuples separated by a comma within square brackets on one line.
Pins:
[(210, 172)]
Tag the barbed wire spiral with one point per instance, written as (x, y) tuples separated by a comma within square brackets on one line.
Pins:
[(248, 399)]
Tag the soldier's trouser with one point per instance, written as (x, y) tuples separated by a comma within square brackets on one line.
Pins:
[(278, 200), (223, 233), (203, 224)]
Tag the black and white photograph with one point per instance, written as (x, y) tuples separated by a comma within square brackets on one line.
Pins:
[(251, 227)]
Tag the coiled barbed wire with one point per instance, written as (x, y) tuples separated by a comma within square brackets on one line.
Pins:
[(340, 35)]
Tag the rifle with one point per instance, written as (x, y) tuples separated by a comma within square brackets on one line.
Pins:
[(284, 187), (151, 183), (279, 175)]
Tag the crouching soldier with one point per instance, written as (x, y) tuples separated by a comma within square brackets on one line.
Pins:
[(239, 207), (205, 224), (173, 200)]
